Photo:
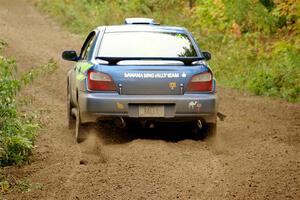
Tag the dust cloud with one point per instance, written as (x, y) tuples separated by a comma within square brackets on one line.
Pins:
[(92, 147)]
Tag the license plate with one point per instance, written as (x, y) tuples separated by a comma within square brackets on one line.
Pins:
[(151, 111)]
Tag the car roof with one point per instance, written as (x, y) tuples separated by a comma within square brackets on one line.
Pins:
[(142, 28)]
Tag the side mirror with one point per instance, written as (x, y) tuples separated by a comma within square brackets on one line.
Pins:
[(206, 55), (70, 55)]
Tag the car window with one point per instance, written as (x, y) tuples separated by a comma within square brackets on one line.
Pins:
[(87, 45), (146, 44)]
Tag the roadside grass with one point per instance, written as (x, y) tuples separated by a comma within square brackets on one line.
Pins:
[(255, 45), (9, 183), (18, 129)]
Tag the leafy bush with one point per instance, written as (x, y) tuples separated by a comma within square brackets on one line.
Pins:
[(9, 183), (255, 43), (283, 78), (17, 130)]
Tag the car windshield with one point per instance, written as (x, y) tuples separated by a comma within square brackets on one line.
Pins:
[(146, 44)]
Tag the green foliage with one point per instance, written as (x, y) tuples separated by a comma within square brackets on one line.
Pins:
[(255, 43), (269, 4), (2, 44), (283, 78), (9, 183), (17, 130)]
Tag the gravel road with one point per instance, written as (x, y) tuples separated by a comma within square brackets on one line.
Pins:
[(254, 156)]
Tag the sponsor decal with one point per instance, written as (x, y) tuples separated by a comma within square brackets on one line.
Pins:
[(80, 77), (120, 106), (195, 105), (81, 69), (151, 75), (172, 85), (183, 75)]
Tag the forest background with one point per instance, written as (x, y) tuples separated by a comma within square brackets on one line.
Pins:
[(255, 43)]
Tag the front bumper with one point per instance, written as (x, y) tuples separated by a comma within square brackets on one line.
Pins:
[(187, 107)]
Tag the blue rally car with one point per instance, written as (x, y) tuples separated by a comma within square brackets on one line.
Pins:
[(141, 71)]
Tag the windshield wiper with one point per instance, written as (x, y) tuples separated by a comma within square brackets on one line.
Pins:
[(185, 60)]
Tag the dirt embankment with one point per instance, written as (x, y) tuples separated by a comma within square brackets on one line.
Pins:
[(255, 156)]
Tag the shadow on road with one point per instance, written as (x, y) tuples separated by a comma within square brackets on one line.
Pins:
[(170, 132)]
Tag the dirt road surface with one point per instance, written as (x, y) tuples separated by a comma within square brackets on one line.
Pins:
[(255, 155)]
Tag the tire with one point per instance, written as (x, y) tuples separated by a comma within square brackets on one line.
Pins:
[(79, 129), (71, 117), (207, 131)]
